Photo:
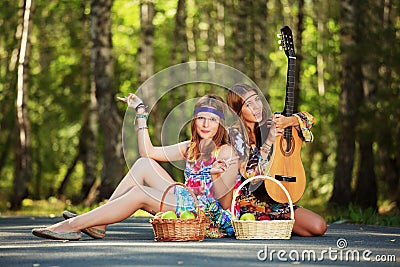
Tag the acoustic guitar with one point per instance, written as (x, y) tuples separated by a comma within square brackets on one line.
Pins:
[(286, 165)]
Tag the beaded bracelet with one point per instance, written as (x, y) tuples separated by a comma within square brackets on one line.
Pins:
[(141, 116), (266, 148)]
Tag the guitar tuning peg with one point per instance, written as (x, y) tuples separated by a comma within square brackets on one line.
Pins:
[(279, 41), (280, 47), (279, 35)]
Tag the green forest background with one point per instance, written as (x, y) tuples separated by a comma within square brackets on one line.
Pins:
[(63, 63)]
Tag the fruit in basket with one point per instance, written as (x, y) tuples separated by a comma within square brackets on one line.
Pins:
[(248, 217), (169, 215), (187, 215), (158, 214), (263, 218)]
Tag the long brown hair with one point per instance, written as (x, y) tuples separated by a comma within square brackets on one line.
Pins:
[(220, 138), (235, 100)]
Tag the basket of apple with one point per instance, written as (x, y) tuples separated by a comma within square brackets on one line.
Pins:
[(259, 225), (189, 226)]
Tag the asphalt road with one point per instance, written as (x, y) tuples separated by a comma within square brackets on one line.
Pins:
[(131, 243)]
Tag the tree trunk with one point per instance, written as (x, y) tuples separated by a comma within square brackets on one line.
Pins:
[(349, 102), (89, 135), (239, 35), (179, 53), (299, 54), (366, 189), (110, 121), (366, 192), (388, 141), (23, 157), (260, 45), (146, 64), (8, 79), (146, 51), (219, 31)]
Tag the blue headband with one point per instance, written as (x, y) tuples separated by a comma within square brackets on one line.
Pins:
[(211, 110)]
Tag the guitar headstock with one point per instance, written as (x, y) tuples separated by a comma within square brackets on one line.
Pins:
[(286, 41)]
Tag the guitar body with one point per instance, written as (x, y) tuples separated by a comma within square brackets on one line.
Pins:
[(286, 165), (287, 168)]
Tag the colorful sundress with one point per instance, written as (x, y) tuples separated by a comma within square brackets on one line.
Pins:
[(254, 198), (198, 179)]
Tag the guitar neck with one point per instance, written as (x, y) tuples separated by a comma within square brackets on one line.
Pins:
[(290, 80), (289, 101)]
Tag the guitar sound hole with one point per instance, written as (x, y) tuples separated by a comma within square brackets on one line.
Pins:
[(287, 148)]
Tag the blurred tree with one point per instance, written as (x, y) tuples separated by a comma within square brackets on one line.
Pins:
[(110, 121), (88, 138), (238, 16), (365, 193), (23, 153), (179, 53), (299, 53), (386, 101), (260, 45), (9, 47), (349, 102), (146, 60)]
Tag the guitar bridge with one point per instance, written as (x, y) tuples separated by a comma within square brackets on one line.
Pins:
[(284, 178)]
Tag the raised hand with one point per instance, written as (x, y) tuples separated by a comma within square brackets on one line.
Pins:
[(133, 101)]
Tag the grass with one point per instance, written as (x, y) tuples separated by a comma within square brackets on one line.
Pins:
[(386, 217)]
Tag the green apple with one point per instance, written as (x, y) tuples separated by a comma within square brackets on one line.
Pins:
[(248, 217), (169, 215), (187, 215), (158, 214)]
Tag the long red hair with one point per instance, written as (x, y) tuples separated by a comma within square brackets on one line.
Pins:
[(220, 138)]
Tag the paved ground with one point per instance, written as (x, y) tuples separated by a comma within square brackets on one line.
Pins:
[(130, 243)]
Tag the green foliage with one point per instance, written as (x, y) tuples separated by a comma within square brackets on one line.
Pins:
[(59, 83), (357, 215)]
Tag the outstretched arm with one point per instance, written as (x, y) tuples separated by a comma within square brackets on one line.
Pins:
[(146, 148)]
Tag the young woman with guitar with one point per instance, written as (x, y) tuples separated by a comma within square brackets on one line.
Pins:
[(258, 149)]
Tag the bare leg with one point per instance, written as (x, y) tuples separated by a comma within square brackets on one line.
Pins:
[(144, 171), (139, 197), (308, 223)]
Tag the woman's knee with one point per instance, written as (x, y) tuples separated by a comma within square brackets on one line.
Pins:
[(144, 162), (310, 222), (318, 227), (322, 227), (141, 164)]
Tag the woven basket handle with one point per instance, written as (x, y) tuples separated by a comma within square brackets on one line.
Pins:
[(236, 193), (184, 186)]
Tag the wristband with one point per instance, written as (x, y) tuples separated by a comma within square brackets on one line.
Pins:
[(141, 105), (142, 128)]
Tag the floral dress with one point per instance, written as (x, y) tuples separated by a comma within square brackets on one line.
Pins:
[(198, 179), (253, 197)]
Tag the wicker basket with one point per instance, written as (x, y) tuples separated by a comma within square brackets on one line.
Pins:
[(179, 229), (273, 229)]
